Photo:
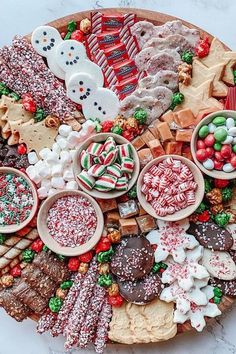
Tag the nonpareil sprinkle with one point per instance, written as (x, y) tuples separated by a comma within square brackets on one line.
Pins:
[(16, 199), (72, 221)]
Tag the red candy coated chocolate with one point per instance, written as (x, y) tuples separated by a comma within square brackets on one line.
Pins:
[(209, 140), (201, 155), (226, 151), (201, 144)]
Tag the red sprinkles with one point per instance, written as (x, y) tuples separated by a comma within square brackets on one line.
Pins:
[(72, 221)]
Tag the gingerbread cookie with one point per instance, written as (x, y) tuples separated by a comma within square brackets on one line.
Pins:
[(219, 264), (143, 290), (212, 236), (133, 258), (172, 239)]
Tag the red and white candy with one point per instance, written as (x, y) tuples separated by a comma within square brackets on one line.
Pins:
[(169, 186), (87, 180), (105, 183), (95, 149)]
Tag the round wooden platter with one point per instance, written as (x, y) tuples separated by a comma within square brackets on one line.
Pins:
[(158, 19)]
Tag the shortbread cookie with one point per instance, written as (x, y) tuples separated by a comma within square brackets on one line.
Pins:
[(141, 324)]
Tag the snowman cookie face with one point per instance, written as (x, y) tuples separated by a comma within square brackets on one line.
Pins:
[(70, 54), (97, 102), (45, 39)]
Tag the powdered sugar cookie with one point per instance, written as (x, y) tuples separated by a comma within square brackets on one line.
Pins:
[(185, 273), (172, 239), (219, 264), (197, 313)]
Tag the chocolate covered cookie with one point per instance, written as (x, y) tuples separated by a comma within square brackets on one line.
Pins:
[(211, 236), (133, 259), (141, 291)]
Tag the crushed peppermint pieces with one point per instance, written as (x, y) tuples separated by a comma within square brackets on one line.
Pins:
[(16, 199), (72, 221)]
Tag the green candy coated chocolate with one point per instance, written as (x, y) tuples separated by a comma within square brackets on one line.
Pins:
[(105, 280), (71, 27), (61, 257), (132, 193), (45, 248), (208, 186), (28, 255), (187, 56), (234, 148), (156, 267), (140, 115), (105, 257), (234, 72), (217, 292), (66, 284), (39, 115), (222, 219), (227, 194), (218, 121), (117, 130), (203, 131), (201, 208), (2, 238), (217, 146), (177, 99), (55, 304), (220, 134), (217, 299)]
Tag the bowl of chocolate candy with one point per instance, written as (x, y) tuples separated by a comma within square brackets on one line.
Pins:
[(106, 166), (170, 187), (213, 145)]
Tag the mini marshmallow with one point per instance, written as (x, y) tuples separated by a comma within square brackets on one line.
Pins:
[(32, 158), (51, 191), (44, 153), (65, 158), (57, 170), (52, 157), (33, 175), (64, 130), (73, 139), (72, 153), (56, 148), (46, 183), (44, 170), (72, 185), (68, 175), (63, 143), (58, 182), (42, 193)]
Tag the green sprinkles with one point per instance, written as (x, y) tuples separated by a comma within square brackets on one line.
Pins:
[(16, 199)]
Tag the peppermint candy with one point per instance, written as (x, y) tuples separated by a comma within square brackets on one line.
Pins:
[(105, 183), (95, 149), (97, 170), (87, 180), (86, 160), (127, 164)]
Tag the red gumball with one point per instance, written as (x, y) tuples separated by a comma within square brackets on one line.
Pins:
[(77, 35), (233, 161), (218, 165), (201, 144), (226, 151), (209, 140), (201, 155), (210, 151), (218, 156)]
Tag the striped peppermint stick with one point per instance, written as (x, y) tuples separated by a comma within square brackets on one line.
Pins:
[(46, 322), (102, 327)]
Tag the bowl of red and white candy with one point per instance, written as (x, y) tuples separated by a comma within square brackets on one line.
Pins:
[(106, 165), (213, 145), (170, 187)]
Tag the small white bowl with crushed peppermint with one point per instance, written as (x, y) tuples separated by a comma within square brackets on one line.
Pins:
[(70, 223)]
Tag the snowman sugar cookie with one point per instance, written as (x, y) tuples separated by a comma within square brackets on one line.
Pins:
[(45, 40), (97, 102), (71, 57)]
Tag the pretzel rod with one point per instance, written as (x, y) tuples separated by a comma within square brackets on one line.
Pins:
[(9, 243), (18, 248), (13, 263)]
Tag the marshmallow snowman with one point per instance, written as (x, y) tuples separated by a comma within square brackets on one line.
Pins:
[(71, 58), (97, 102), (45, 40)]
